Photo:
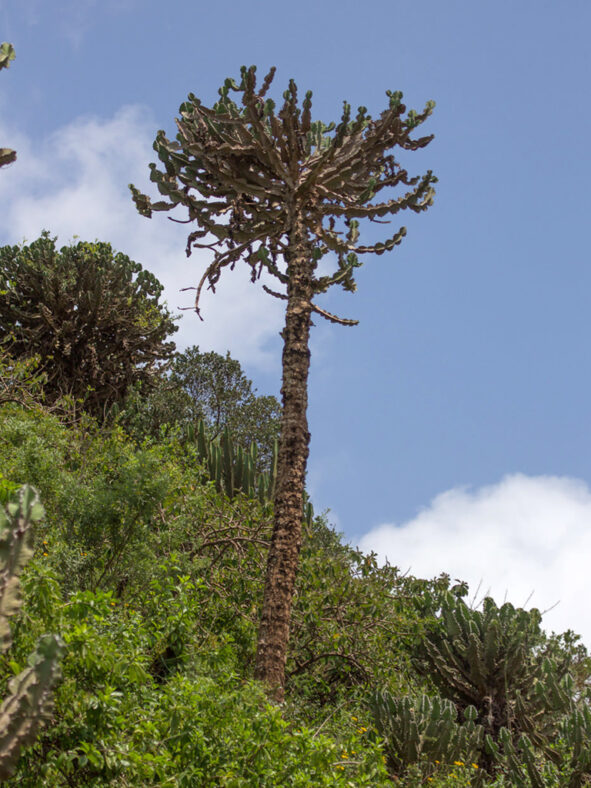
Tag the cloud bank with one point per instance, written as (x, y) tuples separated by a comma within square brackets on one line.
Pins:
[(525, 538), (74, 184)]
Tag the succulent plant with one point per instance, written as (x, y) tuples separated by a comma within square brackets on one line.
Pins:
[(29, 699), (493, 659), (425, 729), (6, 55)]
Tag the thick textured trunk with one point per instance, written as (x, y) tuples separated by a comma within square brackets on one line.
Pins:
[(282, 563)]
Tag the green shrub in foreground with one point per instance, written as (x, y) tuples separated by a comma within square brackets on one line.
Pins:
[(117, 721)]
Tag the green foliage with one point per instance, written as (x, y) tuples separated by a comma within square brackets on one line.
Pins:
[(221, 395), (212, 388), (91, 316), (354, 623), (20, 379), (153, 576), (190, 722), (29, 698)]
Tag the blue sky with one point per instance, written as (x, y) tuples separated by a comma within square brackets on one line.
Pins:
[(450, 429)]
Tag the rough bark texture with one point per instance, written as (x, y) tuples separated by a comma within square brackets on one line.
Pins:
[(294, 444)]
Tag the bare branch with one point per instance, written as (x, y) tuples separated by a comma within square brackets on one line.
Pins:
[(282, 296), (343, 321)]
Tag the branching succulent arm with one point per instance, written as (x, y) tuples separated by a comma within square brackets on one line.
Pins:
[(7, 156), (279, 191), (244, 173)]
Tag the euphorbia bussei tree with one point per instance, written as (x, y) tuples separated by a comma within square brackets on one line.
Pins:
[(273, 188)]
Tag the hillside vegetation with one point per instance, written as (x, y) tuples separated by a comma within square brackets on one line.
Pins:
[(130, 602), (151, 575)]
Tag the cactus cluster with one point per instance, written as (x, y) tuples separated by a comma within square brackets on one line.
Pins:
[(493, 671), (492, 659), (522, 763), (575, 730), (29, 699), (233, 470), (425, 729)]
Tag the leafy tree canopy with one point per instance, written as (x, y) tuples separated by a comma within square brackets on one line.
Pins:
[(92, 316), (211, 387)]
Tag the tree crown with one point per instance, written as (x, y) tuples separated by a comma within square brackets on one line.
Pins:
[(91, 315), (247, 172)]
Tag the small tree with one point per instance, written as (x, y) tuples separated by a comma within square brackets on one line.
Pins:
[(222, 395), (90, 315), (7, 156), (211, 387), (280, 192)]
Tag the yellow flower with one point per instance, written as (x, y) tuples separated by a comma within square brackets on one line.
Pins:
[(354, 719), (45, 553), (458, 763), (475, 765)]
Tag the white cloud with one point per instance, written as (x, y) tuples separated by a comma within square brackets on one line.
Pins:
[(522, 535), (74, 183)]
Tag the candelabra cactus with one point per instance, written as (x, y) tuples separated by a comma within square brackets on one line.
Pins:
[(492, 659), (234, 469), (29, 698), (425, 729)]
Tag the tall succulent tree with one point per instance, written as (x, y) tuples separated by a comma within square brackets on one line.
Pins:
[(279, 191), (7, 156)]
